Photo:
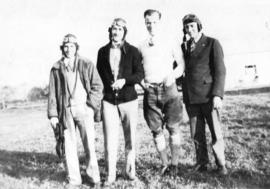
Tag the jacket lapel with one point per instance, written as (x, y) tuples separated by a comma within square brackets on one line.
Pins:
[(199, 46), (81, 70), (107, 65), (122, 59), (63, 77)]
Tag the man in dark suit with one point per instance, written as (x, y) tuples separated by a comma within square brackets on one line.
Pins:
[(120, 68), (203, 89)]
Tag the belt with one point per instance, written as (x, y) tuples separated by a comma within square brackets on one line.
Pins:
[(156, 85)]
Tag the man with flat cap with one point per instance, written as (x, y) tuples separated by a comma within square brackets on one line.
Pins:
[(203, 89)]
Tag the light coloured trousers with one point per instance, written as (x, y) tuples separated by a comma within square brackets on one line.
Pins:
[(113, 115), (80, 116)]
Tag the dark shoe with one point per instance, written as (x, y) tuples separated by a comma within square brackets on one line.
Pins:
[(222, 170), (198, 168), (131, 178), (89, 181), (173, 170), (165, 170)]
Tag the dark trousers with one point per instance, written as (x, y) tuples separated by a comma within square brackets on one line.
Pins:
[(199, 114)]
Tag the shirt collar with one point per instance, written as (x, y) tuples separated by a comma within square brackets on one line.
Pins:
[(116, 45), (70, 66), (198, 38), (121, 46), (154, 39)]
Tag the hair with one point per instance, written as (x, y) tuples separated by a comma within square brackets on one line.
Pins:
[(119, 22), (149, 12), (191, 18), (69, 38)]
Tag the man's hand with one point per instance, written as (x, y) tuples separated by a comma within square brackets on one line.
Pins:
[(217, 102), (169, 80), (118, 84), (54, 121)]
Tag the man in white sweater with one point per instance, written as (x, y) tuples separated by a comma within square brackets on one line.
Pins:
[(162, 106)]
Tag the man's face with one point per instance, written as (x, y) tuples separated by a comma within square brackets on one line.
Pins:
[(69, 50), (152, 23), (117, 33), (192, 29)]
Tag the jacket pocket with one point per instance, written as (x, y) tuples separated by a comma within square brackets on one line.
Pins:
[(208, 80)]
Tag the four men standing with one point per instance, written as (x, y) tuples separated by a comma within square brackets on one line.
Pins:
[(75, 95)]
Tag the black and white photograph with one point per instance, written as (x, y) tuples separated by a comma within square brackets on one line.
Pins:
[(135, 94)]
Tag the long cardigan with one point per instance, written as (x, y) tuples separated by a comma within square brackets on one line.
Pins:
[(58, 98)]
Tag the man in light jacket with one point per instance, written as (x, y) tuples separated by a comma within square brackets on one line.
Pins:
[(75, 93)]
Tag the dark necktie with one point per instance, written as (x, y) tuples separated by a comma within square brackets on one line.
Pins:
[(192, 45), (151, 42)]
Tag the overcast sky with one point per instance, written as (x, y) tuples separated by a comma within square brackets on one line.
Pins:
[(32, 30)]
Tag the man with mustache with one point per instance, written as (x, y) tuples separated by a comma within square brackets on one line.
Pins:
[(119, 65)]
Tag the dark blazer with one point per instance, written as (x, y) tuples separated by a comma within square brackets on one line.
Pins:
[(205, 71), (130, 69)]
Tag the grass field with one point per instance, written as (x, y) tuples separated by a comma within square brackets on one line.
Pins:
[(28, 160)]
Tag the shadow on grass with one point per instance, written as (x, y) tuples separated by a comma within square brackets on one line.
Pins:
[(149, 173), (43, 166), (120, 169), (249, 179), (235, 179)]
